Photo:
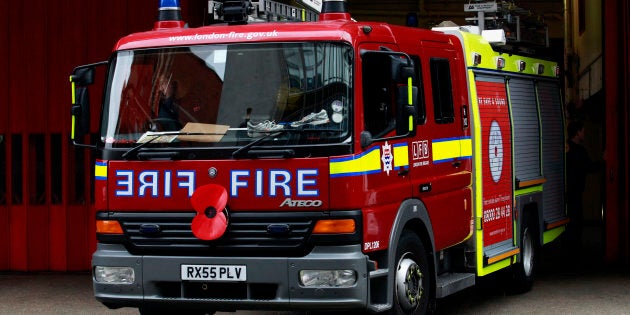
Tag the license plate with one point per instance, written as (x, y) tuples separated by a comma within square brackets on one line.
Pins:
[(214, 272)]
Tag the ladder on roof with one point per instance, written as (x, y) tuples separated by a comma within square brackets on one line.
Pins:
[(520, 25), (276, 11), (261, 10)]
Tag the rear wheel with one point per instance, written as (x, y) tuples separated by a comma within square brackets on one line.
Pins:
[(522, 273), (412, 277)]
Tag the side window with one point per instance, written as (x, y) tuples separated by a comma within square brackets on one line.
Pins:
[(378, 95), (442, 90), (422, 112)]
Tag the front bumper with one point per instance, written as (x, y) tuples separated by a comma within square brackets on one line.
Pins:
[(272, 282)]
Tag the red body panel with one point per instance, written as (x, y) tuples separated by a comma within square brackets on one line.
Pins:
[(496, 162)]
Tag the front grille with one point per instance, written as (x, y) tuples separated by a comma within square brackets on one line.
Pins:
[(251, 233), (212, 291)]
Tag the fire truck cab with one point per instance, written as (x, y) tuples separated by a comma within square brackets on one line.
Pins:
[(324, 165)]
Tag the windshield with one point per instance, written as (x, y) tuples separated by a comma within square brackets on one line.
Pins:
[(229, 95)]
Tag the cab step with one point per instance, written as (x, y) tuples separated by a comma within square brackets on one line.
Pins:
[(450, 283)]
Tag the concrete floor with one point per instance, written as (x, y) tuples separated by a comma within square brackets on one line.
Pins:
[(578, 284), (587, 287)]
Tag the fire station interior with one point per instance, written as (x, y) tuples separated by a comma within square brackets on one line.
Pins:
[(46, 198)]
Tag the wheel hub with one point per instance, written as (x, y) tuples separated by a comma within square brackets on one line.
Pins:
[(408, 283), (528, 253)]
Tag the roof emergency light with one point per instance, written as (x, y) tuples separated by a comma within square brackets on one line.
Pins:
[(500, 62), (169, 15), (334, 10), (476, 57)]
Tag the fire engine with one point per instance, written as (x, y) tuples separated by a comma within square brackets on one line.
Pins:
[(330, 164)]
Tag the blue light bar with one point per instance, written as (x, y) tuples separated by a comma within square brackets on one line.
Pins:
[(169, 4), (169, 10)]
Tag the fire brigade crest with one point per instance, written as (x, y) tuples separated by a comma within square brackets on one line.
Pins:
[(387, 157)]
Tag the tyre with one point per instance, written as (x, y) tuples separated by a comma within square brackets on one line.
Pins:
[(412, 279), (523, 272)]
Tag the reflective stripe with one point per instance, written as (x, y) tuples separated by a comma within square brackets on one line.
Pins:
[(100, 170), (368, 162), (73, 92), (409, 91), (552, 234), (401, 155), (448, 149), (466, 147), (72, 130), (365, 163)]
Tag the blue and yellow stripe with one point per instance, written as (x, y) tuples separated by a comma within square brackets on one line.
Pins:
[(449, 149), (401, 155), (368, 162), (100, 170)]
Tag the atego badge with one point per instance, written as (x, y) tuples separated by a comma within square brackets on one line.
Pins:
[(211, 220)]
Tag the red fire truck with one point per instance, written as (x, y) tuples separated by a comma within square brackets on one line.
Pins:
[(321, 165)]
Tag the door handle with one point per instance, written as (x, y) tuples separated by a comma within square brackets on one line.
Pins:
[(456, 164), (425, 187)]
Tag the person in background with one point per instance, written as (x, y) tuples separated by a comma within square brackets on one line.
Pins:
[(579, 165), (242, 134), (248, 116), (168, 109)]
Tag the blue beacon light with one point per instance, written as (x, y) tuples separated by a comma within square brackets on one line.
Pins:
[(169, 15)]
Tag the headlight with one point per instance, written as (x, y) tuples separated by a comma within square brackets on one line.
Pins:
[(328, 278), (114, 275)]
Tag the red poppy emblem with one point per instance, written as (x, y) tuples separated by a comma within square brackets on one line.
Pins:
[(210, 222)]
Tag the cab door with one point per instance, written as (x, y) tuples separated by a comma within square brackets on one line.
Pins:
[(440, 154), (380, 169)]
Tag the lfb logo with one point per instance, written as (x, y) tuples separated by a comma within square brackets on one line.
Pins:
[(387, 157), (420, 149)]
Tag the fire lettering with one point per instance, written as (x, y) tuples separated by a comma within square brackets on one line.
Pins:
[(277, 182), (148, 183)]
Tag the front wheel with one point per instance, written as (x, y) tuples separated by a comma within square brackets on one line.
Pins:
[(412, 277)]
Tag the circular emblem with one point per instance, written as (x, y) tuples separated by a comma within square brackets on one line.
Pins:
[(211, 220), (212, 172), (495, 151)]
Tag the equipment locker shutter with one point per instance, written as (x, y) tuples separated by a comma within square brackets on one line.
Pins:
[(526, 130), (496, 157), (552, 148)]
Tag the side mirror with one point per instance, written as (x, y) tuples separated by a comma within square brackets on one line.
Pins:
[(395, 74), (366, 139), (402, 71), (80, 78), (83, 75), (406, 113), (80, 113), (404, 75)]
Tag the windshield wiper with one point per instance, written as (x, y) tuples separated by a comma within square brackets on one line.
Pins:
[(157, 135), (246, 147), (271, 153)]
